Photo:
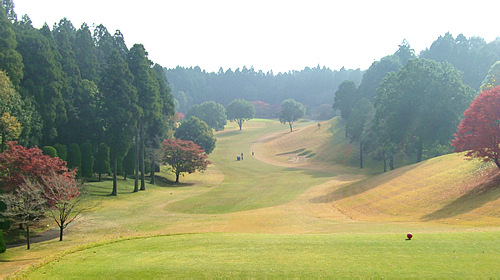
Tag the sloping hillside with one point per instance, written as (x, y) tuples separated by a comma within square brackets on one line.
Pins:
[(447, 189), (314, 147)]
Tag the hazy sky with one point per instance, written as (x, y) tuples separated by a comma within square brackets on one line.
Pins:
[(268, 34)]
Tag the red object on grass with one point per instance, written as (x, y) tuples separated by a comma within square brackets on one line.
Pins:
[(409, 235)]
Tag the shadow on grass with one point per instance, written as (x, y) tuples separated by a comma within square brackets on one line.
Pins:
[(166, 183), (291, 152), (353, 189), (40, 237), (99, 190), (475, 198)]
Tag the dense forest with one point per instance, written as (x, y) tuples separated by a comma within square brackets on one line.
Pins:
[(82, 95), (84, 85), (311, 86), (314, 87)]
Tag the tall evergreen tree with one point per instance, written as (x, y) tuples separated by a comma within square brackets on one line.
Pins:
[(146, 83), (43, 76), (120, 109), (85, 53), (10, 59)]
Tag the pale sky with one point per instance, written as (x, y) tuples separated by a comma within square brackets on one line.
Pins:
[(273, 34)]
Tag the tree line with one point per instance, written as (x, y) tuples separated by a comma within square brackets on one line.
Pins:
[(315, 87), (82, 86), (411, 105), (312, 87)]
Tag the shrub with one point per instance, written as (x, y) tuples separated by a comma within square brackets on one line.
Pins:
[(6, 223), (49, 150), (87, 160), (102, 165), (75, 158), (2, 243), (62, 151)]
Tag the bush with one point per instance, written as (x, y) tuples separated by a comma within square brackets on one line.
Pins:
[(62, 151), (6, 223), (87, 160), (75, 158), (49, 150), (2, 243), (102, 165)]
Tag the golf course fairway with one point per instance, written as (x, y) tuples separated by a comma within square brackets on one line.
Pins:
[(300, 207)]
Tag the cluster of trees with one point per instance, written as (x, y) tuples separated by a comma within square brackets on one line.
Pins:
[(201, 119), (410, 105), (74, 86), (312, 87), (33, 185)]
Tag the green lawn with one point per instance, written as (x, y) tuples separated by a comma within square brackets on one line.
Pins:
[(378, 255), (249, 183), (251, 219)]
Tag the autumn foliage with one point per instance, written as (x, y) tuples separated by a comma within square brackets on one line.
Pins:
[(479, 132), (184, 156), (18, 163)]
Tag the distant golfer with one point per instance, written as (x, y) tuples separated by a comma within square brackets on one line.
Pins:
[(253, 153), (241, 156)]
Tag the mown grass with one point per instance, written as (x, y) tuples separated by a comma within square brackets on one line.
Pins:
[(378, 255), (249, 183), (228, 208)]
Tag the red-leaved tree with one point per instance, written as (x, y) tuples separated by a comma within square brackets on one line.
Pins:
[(184, 156), (18, 163), (479, 132), (67, 201)]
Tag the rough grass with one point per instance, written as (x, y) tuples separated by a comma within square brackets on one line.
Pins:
[(268, 217)]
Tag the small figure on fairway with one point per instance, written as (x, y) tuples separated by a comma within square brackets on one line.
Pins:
[(319, 125), (409, 235), (253, 153), (237, 157), (241, 156)]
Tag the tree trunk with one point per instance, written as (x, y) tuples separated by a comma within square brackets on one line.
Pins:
[(99, 177), (497, 162), (391, 162), (240, 123), (385, 164), (115, 169), (27, 236), (61, 228), (153, 167), (142, 163), (290, 123), (136, 160), (361, 155), (177, 177), (420, 148)]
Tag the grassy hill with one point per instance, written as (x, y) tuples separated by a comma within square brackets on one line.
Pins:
[(446, 189), (302, 194)]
